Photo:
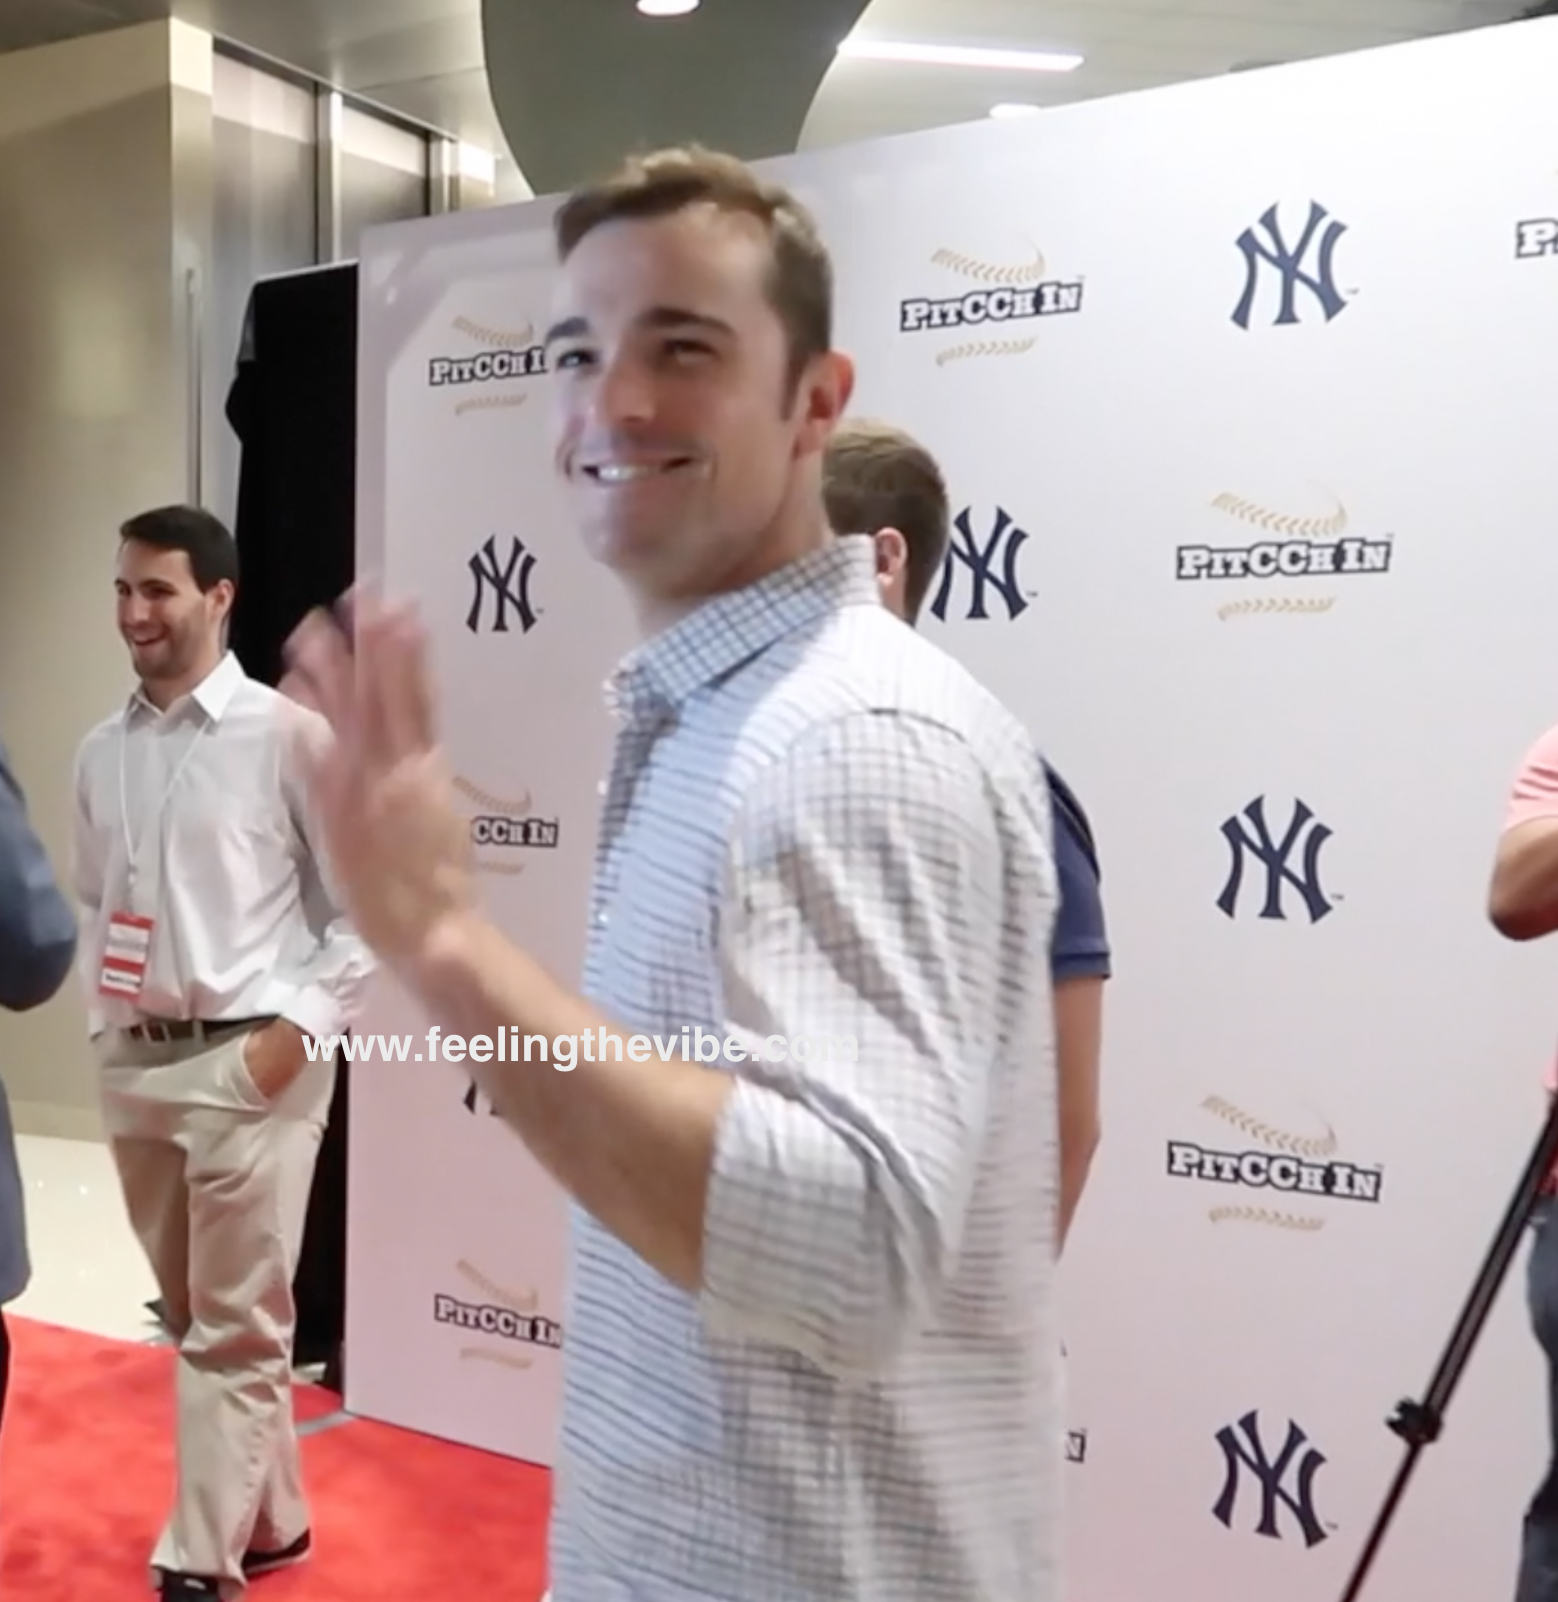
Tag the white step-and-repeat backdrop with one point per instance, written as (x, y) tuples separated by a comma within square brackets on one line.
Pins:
[(1245, 391)]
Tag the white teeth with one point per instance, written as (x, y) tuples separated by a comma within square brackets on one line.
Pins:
[(631, 472)]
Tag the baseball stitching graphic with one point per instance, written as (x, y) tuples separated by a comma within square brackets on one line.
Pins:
[(1301, 528), (989, 272), (1268, 1135), (498, 338), (480, 1354), (987, 347), (1263, 1215), (488, 403), (1298, 528), (1308, 606), (503, 809), (525, 1306), (1317, 1148)]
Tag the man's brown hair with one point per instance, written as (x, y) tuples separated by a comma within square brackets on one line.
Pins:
[(800, 285), (875, 476)]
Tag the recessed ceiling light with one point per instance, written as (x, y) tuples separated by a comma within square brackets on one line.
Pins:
[(667, 8), (931, 55), (1015, 108)]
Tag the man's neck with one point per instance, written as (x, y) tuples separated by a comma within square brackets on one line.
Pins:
[(162, 693), (656, 612)]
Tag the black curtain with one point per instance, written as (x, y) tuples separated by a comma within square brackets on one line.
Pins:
[(293, 405)]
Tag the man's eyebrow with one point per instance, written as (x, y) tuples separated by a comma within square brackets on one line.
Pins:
[(568, 328), (663, 317), (657, 317)]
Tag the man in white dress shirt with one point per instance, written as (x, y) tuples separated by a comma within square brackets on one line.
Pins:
[(211, 947), (810, 1345)]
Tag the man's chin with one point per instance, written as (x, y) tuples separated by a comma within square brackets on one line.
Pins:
[(629, 550), (153, 664)]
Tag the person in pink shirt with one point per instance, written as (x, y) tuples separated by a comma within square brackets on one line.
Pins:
[(1523, 905)]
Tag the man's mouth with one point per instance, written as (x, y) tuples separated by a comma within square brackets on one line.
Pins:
[(614, 473)]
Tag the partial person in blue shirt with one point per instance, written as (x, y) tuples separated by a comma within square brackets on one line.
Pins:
[(37, 948), (879, 480)]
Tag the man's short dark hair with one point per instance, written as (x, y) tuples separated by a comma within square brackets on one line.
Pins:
[(875, 476), (800, 283), (203, 538)]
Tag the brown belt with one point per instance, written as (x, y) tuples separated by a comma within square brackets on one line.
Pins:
[(189, 1028)]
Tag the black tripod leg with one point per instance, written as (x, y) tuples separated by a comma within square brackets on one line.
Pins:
[(1419, 1423)]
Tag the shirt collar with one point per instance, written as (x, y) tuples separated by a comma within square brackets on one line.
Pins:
[(212, 695), (730, 629)]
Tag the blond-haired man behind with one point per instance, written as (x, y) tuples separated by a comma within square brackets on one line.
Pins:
[(880, 481)]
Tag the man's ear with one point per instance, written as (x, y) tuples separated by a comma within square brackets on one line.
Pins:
[(892, 552), (825, 394), (892, 570), (226, 594)]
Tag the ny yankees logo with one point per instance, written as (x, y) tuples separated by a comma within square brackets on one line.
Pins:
[(1288, 1480), (1276, 858), (1006, 541), (508, 585), (1274, 251)]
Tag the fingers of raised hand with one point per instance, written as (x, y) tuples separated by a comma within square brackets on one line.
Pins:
[(323, 672), (396, 678)]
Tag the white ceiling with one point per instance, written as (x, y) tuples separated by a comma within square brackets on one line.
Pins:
[(1127, 44)]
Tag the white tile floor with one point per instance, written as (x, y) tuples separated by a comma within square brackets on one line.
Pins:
[(88, 1272)]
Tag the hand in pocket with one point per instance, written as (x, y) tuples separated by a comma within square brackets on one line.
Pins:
[(273, 1056)]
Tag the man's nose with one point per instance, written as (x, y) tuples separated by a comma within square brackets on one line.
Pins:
[(624, 393)]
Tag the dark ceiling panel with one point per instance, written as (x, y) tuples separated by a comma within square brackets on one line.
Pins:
[(25, 24), (580, 83)]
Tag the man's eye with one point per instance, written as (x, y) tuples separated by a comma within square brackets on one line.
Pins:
[(572, 358)]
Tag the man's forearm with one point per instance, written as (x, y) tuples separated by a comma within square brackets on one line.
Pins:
[(1078, 1038), (330, 985), (1523, 900), (1076, 1161), (632, 1142)]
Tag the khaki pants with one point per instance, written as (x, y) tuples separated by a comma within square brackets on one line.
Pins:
[(216, 1182)]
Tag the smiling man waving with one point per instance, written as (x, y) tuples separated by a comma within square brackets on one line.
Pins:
[(808, 1351)]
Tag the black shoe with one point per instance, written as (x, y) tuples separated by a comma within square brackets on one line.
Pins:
[(258, 1563), (188, 1588)]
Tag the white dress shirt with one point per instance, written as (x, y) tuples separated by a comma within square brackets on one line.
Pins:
[(206, 803), (818, 824)]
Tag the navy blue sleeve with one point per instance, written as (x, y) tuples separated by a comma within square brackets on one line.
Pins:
[(37, 926), (1080, 947)]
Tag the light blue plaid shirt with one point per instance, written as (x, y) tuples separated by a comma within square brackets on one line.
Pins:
[(818, 824)]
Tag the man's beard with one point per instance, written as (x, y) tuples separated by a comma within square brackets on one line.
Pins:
[(167, 659)]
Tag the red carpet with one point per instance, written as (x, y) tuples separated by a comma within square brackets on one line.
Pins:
[(86, 1469)]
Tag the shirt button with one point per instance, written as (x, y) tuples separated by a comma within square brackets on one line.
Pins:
[(600, 920), (602, 787)]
